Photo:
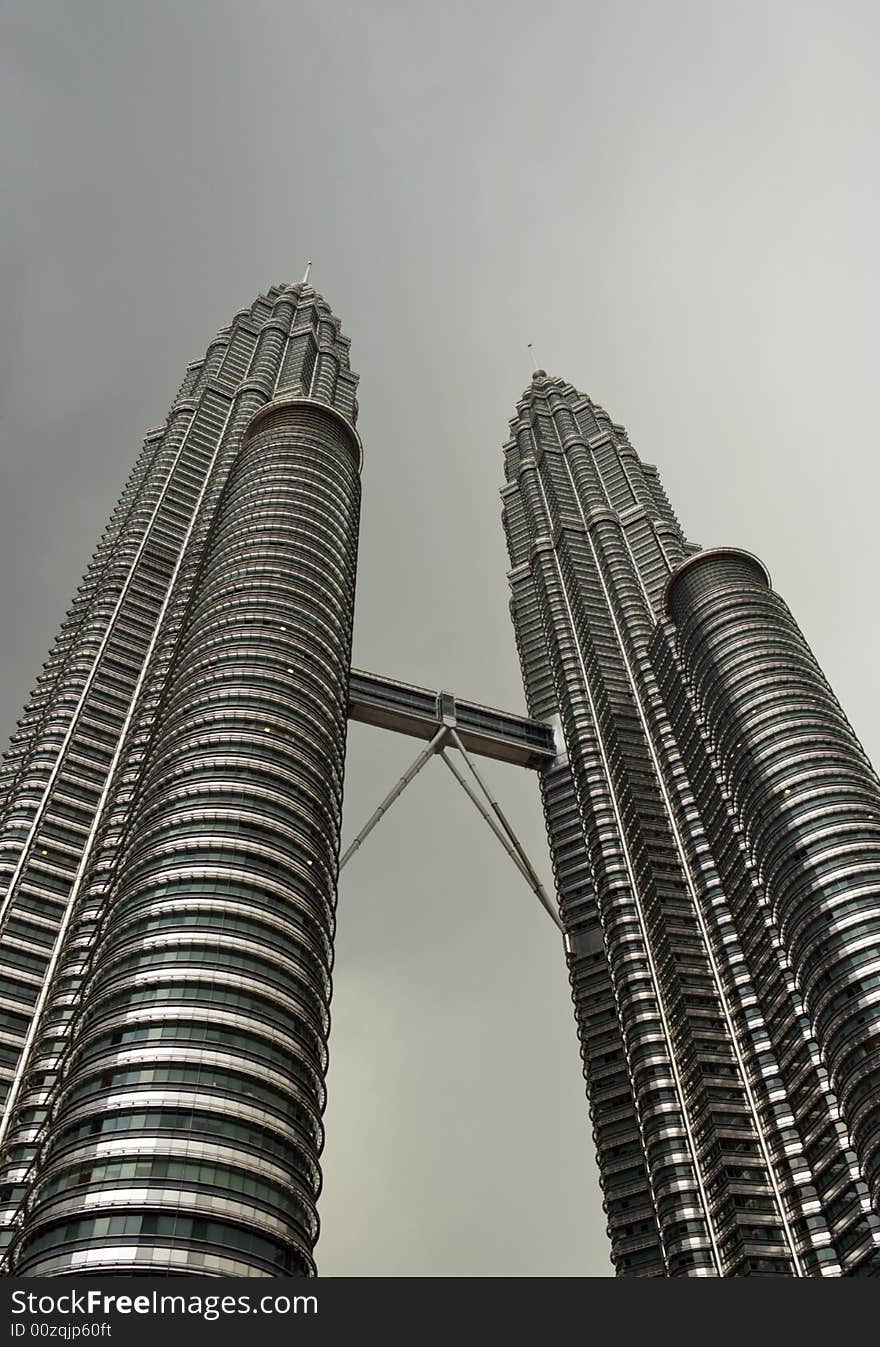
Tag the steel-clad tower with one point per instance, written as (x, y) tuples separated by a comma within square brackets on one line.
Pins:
[(170, 833), (170, 818), (715, 832)]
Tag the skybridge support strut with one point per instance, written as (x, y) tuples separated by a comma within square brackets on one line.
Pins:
[(526, 865), (535, 886), (499, 825), (426, 753)]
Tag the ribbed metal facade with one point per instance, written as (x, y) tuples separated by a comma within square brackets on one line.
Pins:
[(713, 834), (170, 834), (170, 813)]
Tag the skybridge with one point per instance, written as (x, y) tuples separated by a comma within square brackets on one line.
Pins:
[(447, 722), (405, 709)]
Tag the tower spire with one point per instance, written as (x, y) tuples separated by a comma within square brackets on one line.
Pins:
[(305, 279), (537, 372)]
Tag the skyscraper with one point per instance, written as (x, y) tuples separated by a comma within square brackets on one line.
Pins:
[(163, 1057), (715, 832), (170, 817)]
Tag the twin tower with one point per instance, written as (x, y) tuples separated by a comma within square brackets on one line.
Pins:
[(170, 818)]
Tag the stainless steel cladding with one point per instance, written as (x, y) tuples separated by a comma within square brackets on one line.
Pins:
[(170, 813), (709, 983), (166, 1109), (808, 802)]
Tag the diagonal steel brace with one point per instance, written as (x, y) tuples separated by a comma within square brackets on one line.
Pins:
[(426, 753)]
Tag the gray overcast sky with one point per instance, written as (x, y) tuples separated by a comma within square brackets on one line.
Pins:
[(677, 203)]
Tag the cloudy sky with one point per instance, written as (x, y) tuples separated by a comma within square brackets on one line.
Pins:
[(677, 203)]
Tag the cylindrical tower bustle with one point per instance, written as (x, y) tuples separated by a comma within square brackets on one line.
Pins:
[(808, 800)]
